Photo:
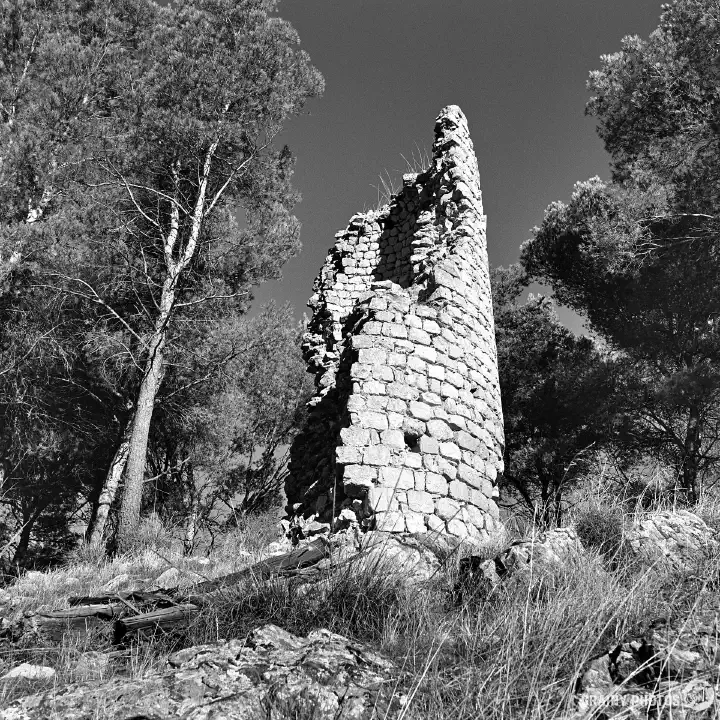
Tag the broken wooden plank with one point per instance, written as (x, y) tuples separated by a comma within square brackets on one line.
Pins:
[(97, 610), (163, 619), (77, 621), (134, 596)]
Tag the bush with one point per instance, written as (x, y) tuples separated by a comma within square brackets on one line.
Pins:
[(601, 527)]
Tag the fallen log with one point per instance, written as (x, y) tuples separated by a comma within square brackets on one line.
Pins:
[(164, 619), (78, 620), (136, 597), (289, 564), (283, 565)]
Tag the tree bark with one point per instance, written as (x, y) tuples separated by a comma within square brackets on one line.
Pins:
[(129, 515), (690, 454), (192, 506), (98, 521)]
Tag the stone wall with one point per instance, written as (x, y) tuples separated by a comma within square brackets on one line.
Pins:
[(404, 432)]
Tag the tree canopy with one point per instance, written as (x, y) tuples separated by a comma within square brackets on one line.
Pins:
[(557, 396), (143, 197), (638, 256)]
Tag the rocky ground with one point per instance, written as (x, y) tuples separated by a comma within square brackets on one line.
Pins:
[(669, 667)]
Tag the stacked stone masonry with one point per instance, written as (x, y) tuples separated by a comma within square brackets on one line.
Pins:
[(404, 433)]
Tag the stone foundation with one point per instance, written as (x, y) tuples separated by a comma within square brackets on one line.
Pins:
[(404, 433)]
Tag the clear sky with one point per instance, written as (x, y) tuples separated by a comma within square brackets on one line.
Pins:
[(518, 70)]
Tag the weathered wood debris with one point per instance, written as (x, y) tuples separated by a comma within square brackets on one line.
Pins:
[(128, 613)]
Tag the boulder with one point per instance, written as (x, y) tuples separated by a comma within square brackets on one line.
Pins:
[(550, 550), (413, 559), (676, 538), (273, 674), (91, 665), (404, 555), (170, 578), (26, 671)]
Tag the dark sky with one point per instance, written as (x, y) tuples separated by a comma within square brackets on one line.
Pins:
[(518, 70)]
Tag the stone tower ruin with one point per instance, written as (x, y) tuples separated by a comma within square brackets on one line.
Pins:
[(404, 432)]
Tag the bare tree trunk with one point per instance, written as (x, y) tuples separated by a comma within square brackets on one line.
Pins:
[(30, 516), (96, 527), (192, 506), (129, 514), (176, 261), (23, 542), (690, 454)]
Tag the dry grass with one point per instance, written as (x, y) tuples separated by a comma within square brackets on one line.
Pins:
[(511, 652)]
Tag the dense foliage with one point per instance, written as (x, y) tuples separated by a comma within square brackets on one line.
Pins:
[(142, 198), (558, 400), (638, 256)]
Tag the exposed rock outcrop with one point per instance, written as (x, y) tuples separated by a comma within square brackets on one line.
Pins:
[(274, 674), (677, 538), (673, 672), (546, 551)]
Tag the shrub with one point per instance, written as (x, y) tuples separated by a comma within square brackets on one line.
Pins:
[(601, 527)]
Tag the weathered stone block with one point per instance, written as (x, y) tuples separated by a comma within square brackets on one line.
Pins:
[(436, 483), (450, 450), (375, 420), (426, 353), (417, 364), (393, 522), (393, 438), (459, 490), (428, 445), (457, 527), (420, 410), (421, 502), (466, 441), (419, 336), (347, 455), (357, 479), (381, 499), (439, 429), (373, 387), (355, 436), (447, 468), (376, 455), (389, 476), (414, 522), (403, 392), (470, 476), (447, 509), (372, 356), (413, 460)]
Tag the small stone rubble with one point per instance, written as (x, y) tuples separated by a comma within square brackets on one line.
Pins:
[(671, 673), (404, 433), (273, 674), (546, 551)]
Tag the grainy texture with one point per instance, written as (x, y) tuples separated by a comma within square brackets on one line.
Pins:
[(405, 430)]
